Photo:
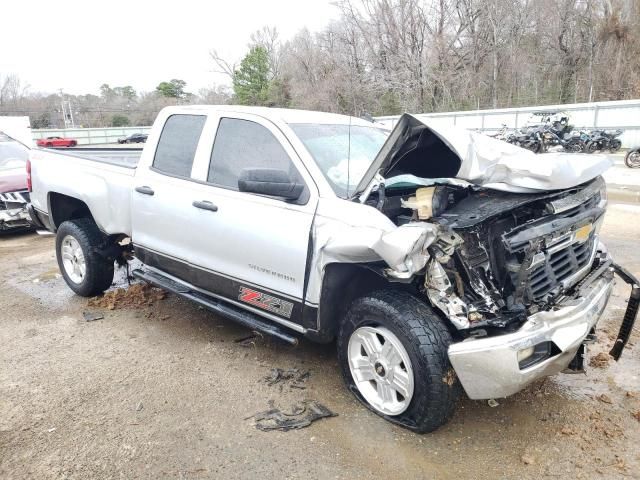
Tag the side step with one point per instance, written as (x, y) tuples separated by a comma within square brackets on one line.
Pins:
[(227, 310)]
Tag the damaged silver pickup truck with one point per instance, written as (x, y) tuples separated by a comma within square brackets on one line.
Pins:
[(438, 259)]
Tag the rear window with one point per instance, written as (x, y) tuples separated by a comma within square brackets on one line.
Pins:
[(178, 143)]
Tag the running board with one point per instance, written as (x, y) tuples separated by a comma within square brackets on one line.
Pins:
[(222, 308)]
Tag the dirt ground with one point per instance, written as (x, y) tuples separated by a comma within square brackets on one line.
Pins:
[(161, 389)]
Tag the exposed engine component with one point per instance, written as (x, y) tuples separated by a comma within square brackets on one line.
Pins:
[(427, 202), (498, 258), (441, 294)]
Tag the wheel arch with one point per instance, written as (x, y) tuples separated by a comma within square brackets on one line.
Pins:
[(342, 283), (63, 207)]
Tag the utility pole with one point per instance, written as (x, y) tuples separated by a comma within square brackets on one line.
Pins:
[(67, 112)]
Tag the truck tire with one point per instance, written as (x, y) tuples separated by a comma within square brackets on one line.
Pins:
[(392, 349), (83, 267)]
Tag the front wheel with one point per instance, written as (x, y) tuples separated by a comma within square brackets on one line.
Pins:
[(592, 147), (392, 349), (632, 158), (535, 147), (78, 250)]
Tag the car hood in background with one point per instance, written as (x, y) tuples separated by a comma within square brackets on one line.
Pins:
[(417, 147)]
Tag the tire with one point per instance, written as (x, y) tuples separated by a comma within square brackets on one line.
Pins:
[(615, 145), (73, 144), (592, 147), (575, 145), (535, 147), (632, 158), (97, 274), (398, 317), (49, 145)]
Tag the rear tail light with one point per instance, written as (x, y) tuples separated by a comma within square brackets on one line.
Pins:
[(29, 175)]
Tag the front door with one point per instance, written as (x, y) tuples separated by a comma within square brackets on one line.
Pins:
[(250, 249)]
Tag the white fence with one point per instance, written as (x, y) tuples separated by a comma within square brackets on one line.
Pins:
[(90, 136), (624, 115)]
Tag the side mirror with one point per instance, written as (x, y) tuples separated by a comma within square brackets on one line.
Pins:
[(271, 182)]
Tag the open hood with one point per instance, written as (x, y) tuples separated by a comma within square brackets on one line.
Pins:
[(417, 147)]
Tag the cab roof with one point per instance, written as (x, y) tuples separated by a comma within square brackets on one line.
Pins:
[(286, 115)]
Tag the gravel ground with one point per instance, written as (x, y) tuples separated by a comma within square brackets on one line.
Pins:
[(163, 390)]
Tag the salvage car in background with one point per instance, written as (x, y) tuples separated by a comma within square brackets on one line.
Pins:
[(439, 259), (135, 138), (14, 195), (57, 142)]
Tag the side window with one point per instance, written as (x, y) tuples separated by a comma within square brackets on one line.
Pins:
[(177, 145), (241, 144)]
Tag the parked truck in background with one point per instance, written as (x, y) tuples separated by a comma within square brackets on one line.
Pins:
[(439, 260)]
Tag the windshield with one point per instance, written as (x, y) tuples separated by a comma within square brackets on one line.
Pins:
[(342, 164), (12, 154)]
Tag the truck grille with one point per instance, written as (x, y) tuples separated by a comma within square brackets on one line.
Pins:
[(558, 267)]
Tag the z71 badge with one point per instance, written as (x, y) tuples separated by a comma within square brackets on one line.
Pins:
[(265, 302)]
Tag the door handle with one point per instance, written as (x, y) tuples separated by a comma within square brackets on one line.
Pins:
[(205, 205), (145, 190)]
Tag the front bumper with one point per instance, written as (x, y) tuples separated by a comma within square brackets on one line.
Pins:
[(489, 367)]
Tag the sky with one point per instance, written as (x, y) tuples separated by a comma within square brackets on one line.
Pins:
[(79, 45)]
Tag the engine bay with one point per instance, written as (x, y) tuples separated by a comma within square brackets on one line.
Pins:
[(500, 256)]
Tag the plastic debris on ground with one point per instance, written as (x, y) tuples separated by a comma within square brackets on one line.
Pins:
[(301, 415)]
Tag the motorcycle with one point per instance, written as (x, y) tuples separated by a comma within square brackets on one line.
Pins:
[(604, 140), (568, 142), (531, 140), (632, 158)]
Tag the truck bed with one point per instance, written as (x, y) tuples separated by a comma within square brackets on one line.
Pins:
[(122, 157), (101, 178)]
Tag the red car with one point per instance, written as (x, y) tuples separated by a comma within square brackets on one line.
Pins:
[(57, 142)]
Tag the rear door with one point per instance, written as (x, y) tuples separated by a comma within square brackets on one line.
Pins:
[(162, 212)]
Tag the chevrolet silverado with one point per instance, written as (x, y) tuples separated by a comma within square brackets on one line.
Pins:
[(439, 260)]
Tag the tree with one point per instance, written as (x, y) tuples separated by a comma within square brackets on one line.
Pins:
[(127, 92), (251, 80), (119, 121), (106, 91), (172, 89)]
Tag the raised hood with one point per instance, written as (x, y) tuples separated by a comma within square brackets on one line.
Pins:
[(418, 147)]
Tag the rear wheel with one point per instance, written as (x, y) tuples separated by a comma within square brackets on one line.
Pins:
[(615, 145), (392, 351), (575, 145), (78, 250)]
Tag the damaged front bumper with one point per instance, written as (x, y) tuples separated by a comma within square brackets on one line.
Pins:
[(502, 365)]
